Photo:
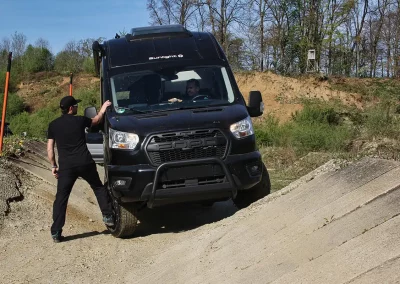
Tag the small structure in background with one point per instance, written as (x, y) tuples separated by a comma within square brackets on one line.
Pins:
[(312, 64)]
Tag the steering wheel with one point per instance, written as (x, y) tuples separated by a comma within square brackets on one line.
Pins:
[(204, 97)]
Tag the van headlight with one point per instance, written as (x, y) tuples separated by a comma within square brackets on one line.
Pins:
[(242, 128), (123, 140)]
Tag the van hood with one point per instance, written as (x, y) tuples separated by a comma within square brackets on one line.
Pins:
[(175, 120)]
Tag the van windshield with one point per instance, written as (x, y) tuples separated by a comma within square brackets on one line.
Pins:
[(170, 89)]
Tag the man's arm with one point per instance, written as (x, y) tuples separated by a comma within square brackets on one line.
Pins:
[(50, 152), (99, 117), (51, 157)]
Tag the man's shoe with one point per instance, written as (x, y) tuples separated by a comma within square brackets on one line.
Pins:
[(57, 237), (108, 220)]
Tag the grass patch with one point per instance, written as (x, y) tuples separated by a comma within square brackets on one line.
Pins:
[(317, 127)]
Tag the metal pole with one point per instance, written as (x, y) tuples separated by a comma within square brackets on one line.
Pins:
[(70, 84), (3, 117)]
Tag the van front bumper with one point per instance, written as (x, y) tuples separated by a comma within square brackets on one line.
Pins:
[(185, 181)]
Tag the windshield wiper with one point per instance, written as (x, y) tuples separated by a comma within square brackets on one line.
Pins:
[(132, 109)]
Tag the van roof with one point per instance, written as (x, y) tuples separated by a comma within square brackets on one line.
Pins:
[(162, 44)]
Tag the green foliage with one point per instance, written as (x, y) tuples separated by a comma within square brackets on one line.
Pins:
[(15, 105), (35, 125), (89, 97), (37, 59), (20, 123), (381, 121), (368, 88), (271, 133), (12, 84), (88, 65), (314, 113), (68, 61), (315, 128), (320, 137)]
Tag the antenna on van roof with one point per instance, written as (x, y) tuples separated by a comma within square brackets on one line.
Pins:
[(117, 35)]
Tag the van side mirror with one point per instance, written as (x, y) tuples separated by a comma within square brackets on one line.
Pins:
[(91, 112), (256, 105)]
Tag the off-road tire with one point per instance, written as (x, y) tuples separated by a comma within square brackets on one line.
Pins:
[(125, 220), (246, 197)]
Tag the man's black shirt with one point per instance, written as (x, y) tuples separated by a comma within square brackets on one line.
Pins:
[(68, 131)]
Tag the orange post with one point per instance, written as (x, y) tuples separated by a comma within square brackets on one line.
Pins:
[(3, 117), (70, 84)]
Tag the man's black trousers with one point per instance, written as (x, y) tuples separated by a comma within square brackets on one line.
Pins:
[(66, 180)]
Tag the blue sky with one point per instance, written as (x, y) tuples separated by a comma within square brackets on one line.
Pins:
[(60, 21)]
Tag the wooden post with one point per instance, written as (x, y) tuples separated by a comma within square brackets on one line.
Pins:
[(70, 84)]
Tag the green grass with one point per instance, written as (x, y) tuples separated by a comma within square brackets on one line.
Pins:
[(318, 127), (368, 88)]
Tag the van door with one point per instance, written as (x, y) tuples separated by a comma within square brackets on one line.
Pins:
[(94, 142)]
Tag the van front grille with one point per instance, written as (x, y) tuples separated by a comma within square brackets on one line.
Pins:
[(187, 145)]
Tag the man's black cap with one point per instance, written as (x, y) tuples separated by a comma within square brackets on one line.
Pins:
[(68, 101)]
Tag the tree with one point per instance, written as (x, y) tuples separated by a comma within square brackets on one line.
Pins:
[(37, 59), (18, 45), (70, 59), (167, 12)]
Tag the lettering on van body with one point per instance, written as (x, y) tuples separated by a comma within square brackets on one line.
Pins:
[(166, 57)]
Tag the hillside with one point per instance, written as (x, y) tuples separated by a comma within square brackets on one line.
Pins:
[(281, 95)]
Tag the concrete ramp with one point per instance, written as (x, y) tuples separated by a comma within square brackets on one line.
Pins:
[(341, 227)]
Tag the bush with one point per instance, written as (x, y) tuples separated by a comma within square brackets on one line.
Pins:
[(315, 128), (37, 59), (320, 137), (380, 121), (67, 62), (15, 105), (35, 125), (20, 123), (271, 133), (12, 84), (314, 113), (89, 97), (88, 65)]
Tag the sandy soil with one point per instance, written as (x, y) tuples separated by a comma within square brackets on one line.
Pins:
[(282, 95)]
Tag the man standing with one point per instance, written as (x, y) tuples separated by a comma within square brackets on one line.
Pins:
[(74, 160)]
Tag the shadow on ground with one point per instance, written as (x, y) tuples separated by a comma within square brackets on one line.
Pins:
[(84, 235), (178, 218)]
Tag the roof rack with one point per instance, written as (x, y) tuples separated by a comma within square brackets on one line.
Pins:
[(157, 32)]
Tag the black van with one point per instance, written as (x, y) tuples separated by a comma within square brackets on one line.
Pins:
[(179, 129)]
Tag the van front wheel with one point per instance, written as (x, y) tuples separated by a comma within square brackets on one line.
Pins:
[(246, 197), (125, 219)]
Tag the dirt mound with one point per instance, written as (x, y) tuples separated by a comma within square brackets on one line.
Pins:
[(283, 95)]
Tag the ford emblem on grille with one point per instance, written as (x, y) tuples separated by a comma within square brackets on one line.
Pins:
[(186, 145)]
